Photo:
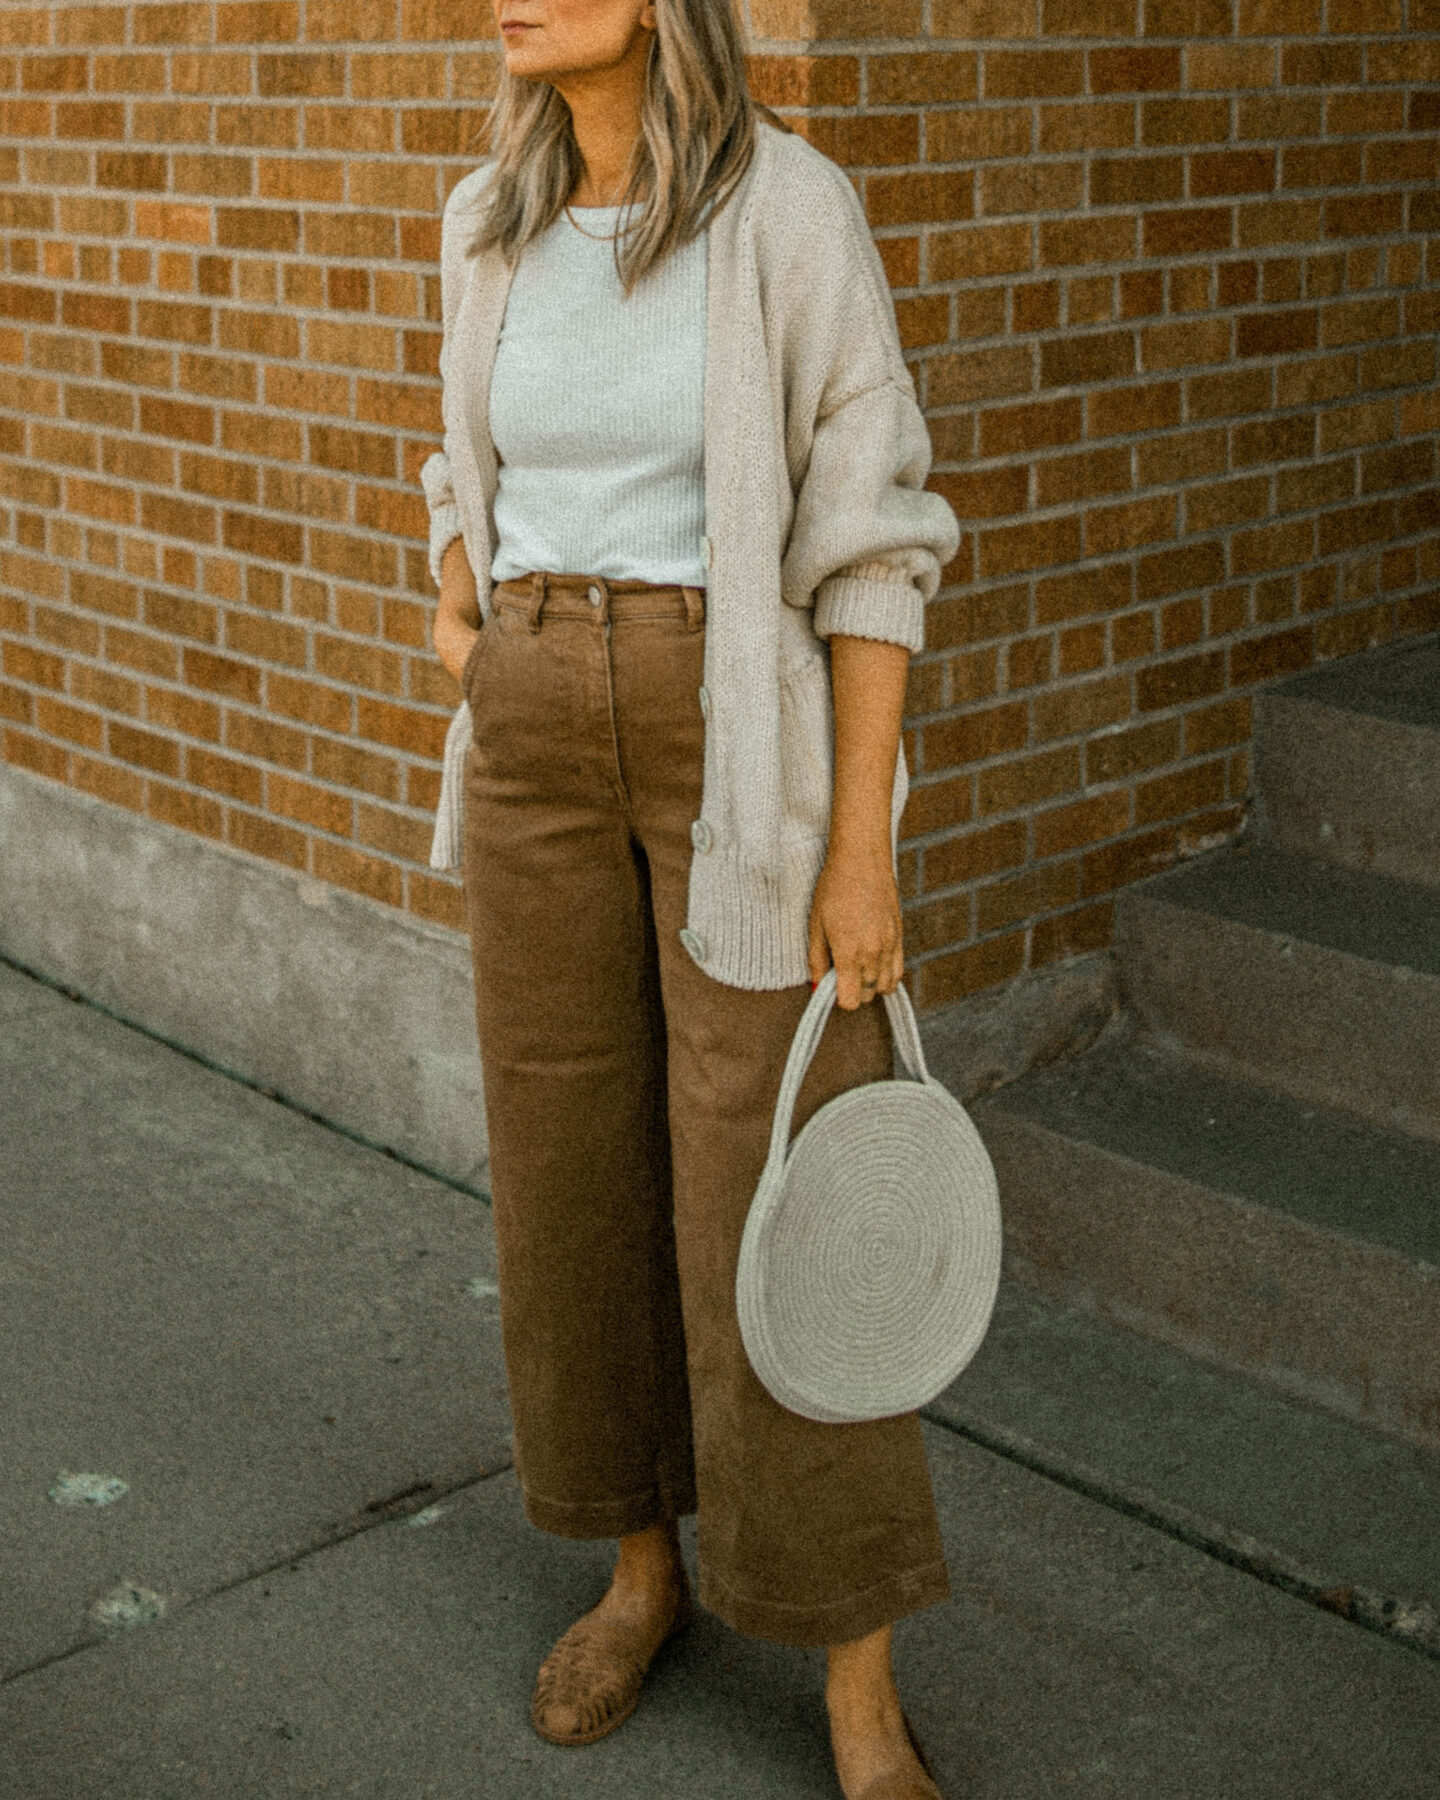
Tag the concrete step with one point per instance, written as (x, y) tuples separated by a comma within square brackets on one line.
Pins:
[(1232, 1222), (1348, 761), (1330, 1510), (1319, 980)]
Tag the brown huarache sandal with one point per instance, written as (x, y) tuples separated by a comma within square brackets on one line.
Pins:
[(590, 1682), (905, 1785)]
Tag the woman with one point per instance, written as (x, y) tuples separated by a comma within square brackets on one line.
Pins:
[(682, 543)]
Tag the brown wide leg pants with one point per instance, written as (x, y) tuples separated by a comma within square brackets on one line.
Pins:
[(629, 1099)]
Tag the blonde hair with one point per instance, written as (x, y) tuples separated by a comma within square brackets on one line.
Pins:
[(697, 136)]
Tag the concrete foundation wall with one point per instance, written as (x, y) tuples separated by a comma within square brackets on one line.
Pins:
[(348, 1008), (342, 1005)]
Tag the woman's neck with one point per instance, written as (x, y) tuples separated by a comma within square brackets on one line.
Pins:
[(605, 117)]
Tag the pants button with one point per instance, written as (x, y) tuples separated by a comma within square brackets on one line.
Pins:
[(595, 596)]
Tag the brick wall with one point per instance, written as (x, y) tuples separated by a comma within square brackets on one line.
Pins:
[(1166, 272)]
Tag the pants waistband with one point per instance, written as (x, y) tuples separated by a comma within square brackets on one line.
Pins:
[(598, 597)]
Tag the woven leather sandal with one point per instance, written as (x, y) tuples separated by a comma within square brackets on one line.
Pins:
[(905, 1785), (592, 1679)]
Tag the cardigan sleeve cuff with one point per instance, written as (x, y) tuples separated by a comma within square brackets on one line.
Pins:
[(444, 513), (867, 601), (444, 529)]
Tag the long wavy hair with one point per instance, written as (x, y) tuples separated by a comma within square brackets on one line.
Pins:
[(697, 136)]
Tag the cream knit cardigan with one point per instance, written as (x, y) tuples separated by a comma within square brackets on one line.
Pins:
[(817, 521)]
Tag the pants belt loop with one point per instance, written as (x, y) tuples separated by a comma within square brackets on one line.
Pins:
[(539, 593), (694, 607)]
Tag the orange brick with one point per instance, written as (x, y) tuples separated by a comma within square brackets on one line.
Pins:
[(985, 250), (1060, 829), (349, 765), (309, 805), (263, 837), (929, 198), (1038, 890), (1028, 661), (1082, 649), (394, 833), (1132, 635), (1211, 67), (945, 979), (430, 897), (1226, 503), (1087, 125), (256, 535), (978, 375), (1086, 706), (73, 724), (351, 868), (1039, 544), (1081, 592), (976, 134), (143, 749), (224, 775), (973, 617), (1272, 547), (1264, 658), (177, 616), (1031, 187), (258, 22), (1185, 791), (1081, 477), (1108, 529), (1210, 728), (190, 812), (1175, 681), (176, 711), (267, 640), (916, 78), (27, 752), (1082, 360), (1134, 70), (1231, 393), (1106, 238), (1129, 859), (1023, 781), (1136, 180), (1032, 74)]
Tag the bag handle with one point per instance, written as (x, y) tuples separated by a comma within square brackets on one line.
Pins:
[(807, 1041)]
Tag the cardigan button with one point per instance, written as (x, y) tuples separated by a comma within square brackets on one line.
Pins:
[(694, 943), (705, 702), (701, 835)]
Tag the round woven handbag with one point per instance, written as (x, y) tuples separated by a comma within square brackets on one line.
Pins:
[(870, 1260)]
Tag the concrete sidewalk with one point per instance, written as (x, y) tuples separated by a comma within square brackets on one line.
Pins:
[(318, 1580)]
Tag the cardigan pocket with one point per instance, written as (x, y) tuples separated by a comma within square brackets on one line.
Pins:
[(807, 753)]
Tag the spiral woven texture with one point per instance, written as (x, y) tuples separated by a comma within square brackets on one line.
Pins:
[(870, 1262)]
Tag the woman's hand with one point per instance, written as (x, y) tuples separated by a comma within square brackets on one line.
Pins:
[(457, 617), (855, 923)]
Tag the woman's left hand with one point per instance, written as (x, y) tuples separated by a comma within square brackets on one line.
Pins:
[(855, 923)]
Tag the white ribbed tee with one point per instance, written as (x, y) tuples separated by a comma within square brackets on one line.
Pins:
[(597, 410)]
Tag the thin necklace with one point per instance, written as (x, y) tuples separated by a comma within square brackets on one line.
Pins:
[(600, 237)]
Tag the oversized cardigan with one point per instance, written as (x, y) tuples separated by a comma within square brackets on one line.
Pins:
[(816, 516)]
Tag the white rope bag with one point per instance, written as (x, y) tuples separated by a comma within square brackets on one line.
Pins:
[(870, 1261)]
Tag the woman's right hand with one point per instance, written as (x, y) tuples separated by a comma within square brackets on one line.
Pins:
[(457, 617)]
